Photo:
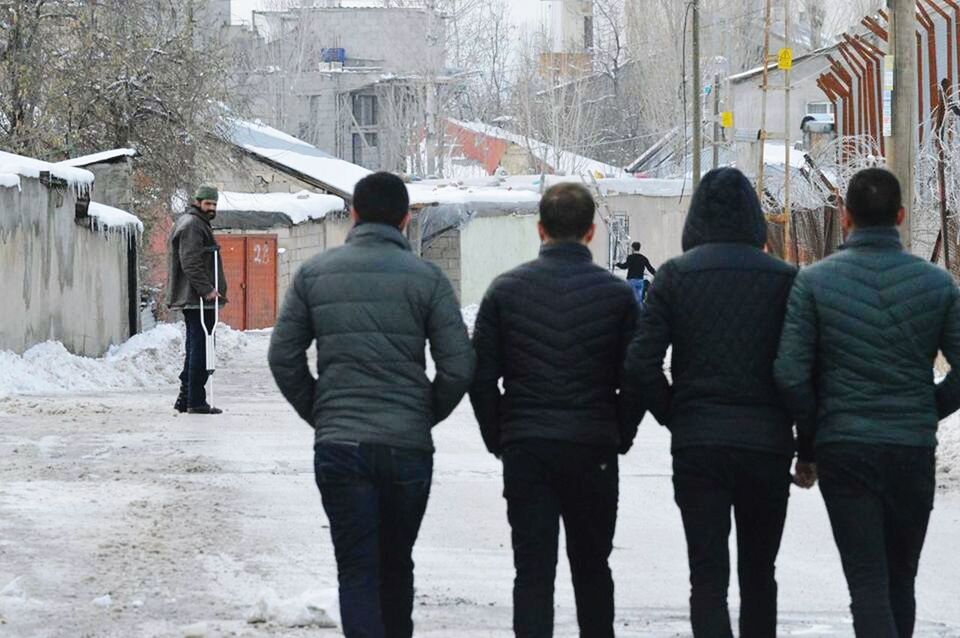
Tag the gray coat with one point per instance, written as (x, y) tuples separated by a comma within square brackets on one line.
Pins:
[(372, 306), (190, 251)]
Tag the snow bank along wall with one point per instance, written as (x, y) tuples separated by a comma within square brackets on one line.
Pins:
[(62, 279)]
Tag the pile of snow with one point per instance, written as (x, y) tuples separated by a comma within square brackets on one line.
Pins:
[(948, 451), (152, 359), (113, 217), (306, 610), (97, 158), (442, 194), (299, 207)]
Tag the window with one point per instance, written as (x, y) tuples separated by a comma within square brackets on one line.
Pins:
[(819, 108), (365, 151), (365, 109)]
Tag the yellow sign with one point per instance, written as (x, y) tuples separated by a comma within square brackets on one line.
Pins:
[(785, 59), (726, 119)]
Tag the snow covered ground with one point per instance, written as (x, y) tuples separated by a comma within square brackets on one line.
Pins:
[(119, 517)]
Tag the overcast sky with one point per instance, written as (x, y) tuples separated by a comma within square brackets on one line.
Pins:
[(524, 11)]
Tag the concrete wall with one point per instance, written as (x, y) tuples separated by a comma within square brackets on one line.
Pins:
[(113, 185), (444, 250), (246, 175), (61, 280), (490, 246), (656, 222)]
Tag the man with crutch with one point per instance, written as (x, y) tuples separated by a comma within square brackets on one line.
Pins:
[(196, 286)]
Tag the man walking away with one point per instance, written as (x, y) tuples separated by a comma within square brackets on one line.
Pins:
[(636, 266), (555, 331), (862, 332), (371, 306), (721, 306), (190, 277)]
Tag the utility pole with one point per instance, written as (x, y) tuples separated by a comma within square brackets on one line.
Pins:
[(788, 238), (905, 107), (697, 97), (762, 138), (716, 120)]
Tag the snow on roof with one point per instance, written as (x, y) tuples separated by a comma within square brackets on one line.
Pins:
[(30, 167), (562, 161), (776, 155), (113, 217), (97, 158), (446, 193), (746, 75), (9, 180), (295, 154), (525, 188), (299, 207)]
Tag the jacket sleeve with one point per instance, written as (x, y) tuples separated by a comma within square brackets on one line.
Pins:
[(644, 362), (948, 390), (451, 350), (795, 366), (629, 408), (485, 391), (653, 271), (195, 259), (292, 336)]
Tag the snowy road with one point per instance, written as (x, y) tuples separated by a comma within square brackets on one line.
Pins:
[(184, 521)]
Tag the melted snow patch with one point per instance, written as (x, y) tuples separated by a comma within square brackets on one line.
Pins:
[(309, 609), (152, 359)]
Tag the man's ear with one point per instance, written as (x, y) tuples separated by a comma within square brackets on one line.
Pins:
[(405, 221), (590, 233)]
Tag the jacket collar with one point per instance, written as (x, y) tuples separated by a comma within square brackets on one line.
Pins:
[(882, 237), (566, 250), (193, 210), (367, 233)]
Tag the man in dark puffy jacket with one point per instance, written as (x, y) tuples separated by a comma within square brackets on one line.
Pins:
[(371, 306), (862, 332), (190, 278), (721, 306), (555, 331)]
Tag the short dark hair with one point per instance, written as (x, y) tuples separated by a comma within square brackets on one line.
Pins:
[(566, 212), (874, 198), (381, 198), (635, 245)]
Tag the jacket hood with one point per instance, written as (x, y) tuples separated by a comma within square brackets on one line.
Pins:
[(725, 209)]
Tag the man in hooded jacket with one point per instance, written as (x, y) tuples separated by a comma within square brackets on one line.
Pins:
[(721, 307)]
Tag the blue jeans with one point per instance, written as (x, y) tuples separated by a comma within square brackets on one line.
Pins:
[(193, 378), (639, 288), (375, 497)]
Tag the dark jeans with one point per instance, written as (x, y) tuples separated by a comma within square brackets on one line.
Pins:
[(374, 497), (193, 379), (543, 482), (879, 499), (709, 481)]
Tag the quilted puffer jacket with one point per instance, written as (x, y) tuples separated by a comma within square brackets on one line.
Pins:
[(862, 332), (720, 306), (555, 331), (372, 306)]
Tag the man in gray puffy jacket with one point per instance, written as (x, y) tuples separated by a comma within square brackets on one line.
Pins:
[(371, 306)]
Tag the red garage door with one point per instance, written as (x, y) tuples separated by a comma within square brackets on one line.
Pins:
[(250, 266)]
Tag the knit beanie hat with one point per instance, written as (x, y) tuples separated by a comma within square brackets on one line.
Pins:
[(205, 193)]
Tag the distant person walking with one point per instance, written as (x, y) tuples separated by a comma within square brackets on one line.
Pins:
[(720, 307), (637, 266), (554, 331), (371, 307), (862, 333), (191, 277)]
